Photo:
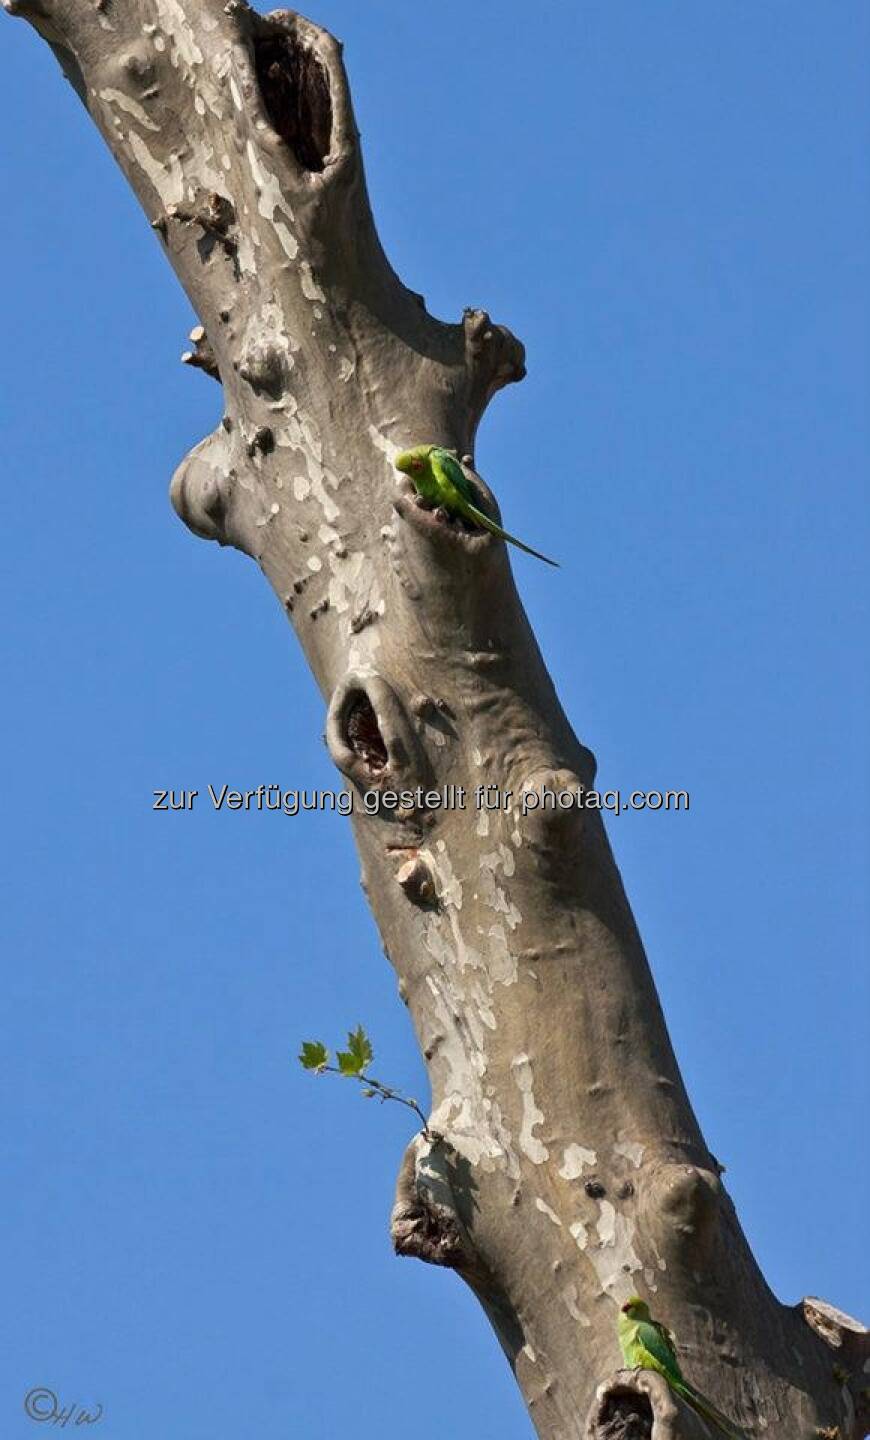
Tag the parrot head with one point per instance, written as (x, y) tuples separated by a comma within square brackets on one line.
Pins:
[(636, 1309), (413, 462)]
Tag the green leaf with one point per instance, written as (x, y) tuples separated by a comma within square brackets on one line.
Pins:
[(358, 1055), (360, 1046), (348, 1064), (314, 1055)]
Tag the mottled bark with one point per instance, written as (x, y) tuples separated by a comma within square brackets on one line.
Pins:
[(565, 1168)]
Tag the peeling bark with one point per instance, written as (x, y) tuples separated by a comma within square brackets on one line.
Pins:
[(564, 1167)]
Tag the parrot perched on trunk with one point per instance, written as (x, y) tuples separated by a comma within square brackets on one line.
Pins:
[(648, 1345), (438, 477)]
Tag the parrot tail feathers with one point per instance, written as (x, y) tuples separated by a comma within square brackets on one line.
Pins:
[(706, 1409), (494, 529)]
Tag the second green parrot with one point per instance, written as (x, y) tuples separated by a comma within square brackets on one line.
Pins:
[(438, 477), (648, 1345)]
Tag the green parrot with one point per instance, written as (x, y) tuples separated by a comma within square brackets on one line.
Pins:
[(438, 477), (648, 1345)]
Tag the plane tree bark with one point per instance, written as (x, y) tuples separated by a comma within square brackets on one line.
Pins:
[(562, 1168)]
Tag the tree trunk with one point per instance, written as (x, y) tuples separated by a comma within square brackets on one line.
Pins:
[(565, 1169)]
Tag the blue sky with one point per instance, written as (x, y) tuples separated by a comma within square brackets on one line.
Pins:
[(670, 204)]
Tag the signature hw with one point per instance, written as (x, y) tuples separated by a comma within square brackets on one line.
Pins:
[(43, 1405)]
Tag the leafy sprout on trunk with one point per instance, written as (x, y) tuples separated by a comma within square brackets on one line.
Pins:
[(353, 1065)]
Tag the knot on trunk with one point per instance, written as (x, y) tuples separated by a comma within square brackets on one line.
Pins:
[(263, 364), (625, 1416), (370, 738), (681, 1204), (418, 882), (424, 1223), (215, 216), (640, 1405), (301, 97), (202, 356), (433, 1207), (201, 490), (552, 800), (295, 88), (493, 357)]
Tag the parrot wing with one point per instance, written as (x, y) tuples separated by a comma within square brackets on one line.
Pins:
[(451, 476), (656, 1340), (448, 471), (667, 1336)]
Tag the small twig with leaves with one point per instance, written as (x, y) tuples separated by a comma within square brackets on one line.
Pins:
[(352, 1065)]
